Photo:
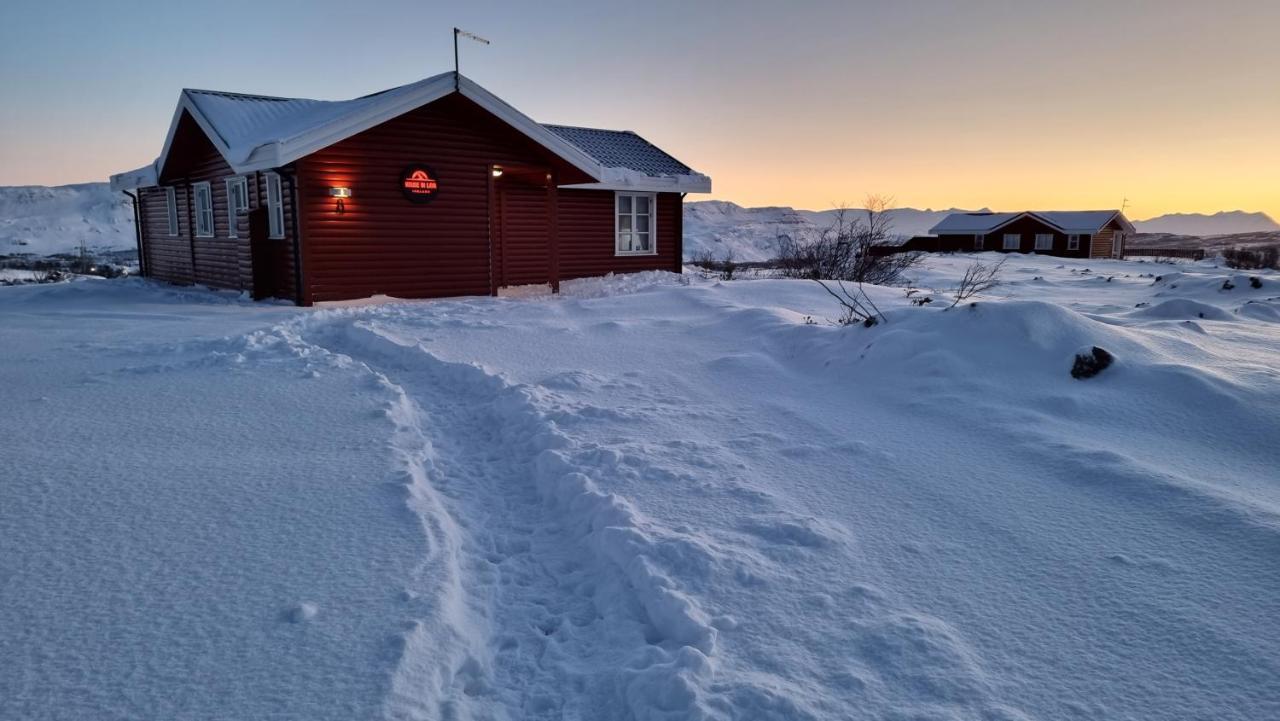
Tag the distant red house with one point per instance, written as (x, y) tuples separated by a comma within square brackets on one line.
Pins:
[(437, 188), (1071, 234)]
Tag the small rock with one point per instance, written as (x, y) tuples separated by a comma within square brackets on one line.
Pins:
[(1088, 365)]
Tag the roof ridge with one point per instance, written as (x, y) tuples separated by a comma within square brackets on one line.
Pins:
[(584, 127), (247, 96)]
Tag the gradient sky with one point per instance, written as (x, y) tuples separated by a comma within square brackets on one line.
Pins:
[(1173, 104)]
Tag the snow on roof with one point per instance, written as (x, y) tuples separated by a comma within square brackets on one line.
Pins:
[(980, 222), (1081, 221), (258, 132), (622, 149), (1067, 221)]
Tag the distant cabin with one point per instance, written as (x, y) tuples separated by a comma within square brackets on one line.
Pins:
[(436, 188), (1065, 233)]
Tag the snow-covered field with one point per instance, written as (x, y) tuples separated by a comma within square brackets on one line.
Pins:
[(646, 499)]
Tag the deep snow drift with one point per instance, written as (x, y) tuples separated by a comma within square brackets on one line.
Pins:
[(646, 499)]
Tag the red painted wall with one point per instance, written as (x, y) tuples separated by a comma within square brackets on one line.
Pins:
[(587, 235), (220, 261), (384, 244)]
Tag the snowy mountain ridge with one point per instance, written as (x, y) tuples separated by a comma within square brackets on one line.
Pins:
[(43, 220), (1226, 222)]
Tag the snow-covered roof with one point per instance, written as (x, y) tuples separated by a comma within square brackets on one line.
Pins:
[(1067, 221), (622, 149), (258, 132), (979, 222)]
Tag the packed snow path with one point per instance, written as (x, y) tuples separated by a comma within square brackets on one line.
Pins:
[(649, 501)]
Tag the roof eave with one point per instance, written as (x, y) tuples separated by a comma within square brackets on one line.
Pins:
[(623, 179), (144, 177)]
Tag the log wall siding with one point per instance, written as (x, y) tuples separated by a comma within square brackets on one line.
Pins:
[(386, 244), (587, 240), (168, 257), (219, 261)]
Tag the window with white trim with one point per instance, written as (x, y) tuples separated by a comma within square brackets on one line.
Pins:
[(634, 232), (204, 210), (237, 202), (1044, 241), (1012, 241), (1073, 242), (171, 208), (275, 207), (979, 241)]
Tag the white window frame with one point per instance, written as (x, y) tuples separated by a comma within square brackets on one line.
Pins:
[(203, 214), (1044, 241), (1073, 241), (275, 207), (653, 223), (233, 208), (1015, 238), (171, 210), (979, 241)]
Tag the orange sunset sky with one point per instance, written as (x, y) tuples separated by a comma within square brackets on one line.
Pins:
[(1174, 105)]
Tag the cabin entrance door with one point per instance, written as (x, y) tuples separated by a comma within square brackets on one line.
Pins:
[(263, 255), (521, 227)]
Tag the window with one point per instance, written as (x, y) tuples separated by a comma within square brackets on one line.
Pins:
[(979, 241), (204, 210), (275, 207), (634, 224), (171, 205), (1044, 241), (1012, 241), (1073, 242), (237, 202)]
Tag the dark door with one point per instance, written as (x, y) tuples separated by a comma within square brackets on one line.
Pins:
[(522, 239), (265, 255)]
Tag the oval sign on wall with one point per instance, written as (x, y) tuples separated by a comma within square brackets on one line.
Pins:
[(419, 183)]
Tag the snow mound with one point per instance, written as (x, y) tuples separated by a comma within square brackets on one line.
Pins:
[(1182, 309)]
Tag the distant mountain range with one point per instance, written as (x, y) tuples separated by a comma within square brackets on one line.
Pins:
[(42, 220), (1227, 222)]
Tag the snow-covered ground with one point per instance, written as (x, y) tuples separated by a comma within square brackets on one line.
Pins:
[(646, 499)]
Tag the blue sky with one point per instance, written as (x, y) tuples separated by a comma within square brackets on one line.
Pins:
[(985, 103)]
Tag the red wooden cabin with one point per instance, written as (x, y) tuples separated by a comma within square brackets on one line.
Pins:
[(437, 188), (1066, 233)]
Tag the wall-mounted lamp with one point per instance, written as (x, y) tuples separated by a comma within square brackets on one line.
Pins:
[(497, 172), (341, 193)]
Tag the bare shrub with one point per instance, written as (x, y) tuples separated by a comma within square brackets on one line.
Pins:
[(978, 278), (725, 269), (855, 247), (1252, 258)]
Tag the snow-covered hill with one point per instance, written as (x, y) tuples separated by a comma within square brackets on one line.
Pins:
[(720, 227), (651, 498), (1227, 222), (44, 220)]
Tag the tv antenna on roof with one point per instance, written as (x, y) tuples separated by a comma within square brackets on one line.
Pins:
[(1124, 204), (465, 34)]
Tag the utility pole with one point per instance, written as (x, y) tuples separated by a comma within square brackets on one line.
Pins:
[(465, 34)]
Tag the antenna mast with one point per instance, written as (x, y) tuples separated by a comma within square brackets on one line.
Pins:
[(469, 36)]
